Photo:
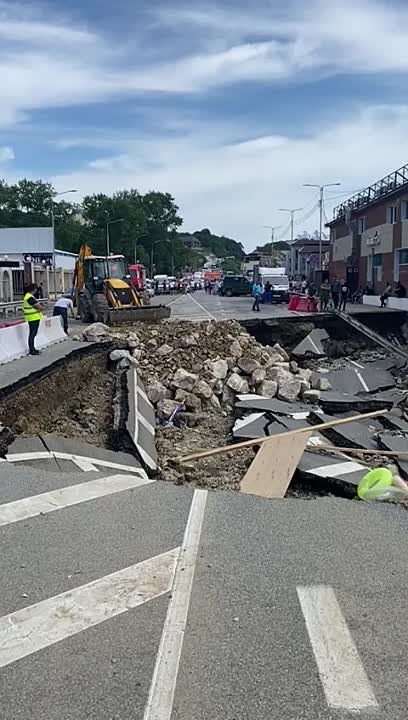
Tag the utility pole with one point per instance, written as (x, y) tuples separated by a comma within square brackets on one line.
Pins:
[(108, 224), (272, 228), (321, 189), (54, 268), (292, 219)]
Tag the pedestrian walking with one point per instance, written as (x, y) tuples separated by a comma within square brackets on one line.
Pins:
[(344, 292), (324, 295), (335, 292), (32, 310), (256, 294), (61, 308), (39, 293), (268, 292)]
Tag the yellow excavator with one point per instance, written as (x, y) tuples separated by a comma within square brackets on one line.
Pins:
[(103, 292)]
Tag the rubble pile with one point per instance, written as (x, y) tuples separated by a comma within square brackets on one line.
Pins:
[(207, 366)]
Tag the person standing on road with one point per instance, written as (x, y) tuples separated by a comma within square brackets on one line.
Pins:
[(61, 308), (400, 290), (335, 292), (344, 291), (324, 295), (32, 310), (268, 292), (256, 294), (384, 297)]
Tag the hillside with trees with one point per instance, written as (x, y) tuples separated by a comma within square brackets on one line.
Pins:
[(140, 226)]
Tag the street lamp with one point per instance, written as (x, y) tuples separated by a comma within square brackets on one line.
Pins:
[(155, 242), (272, 228), (292, 216), (111, 222), (321, 189), (64, 192)]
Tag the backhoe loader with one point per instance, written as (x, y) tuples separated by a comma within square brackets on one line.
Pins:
[(102, 291)]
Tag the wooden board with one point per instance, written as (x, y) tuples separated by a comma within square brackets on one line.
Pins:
[(274, 464)]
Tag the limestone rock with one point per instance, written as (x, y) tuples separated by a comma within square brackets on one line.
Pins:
[(305, 373), (311, 396), (191, 401), (218, 369), (281, 351), (324, 384), (117, 355), (189, 341), (166, 408), (137, 353), (202, 389), (218, 387), (247, 364), (228, 396), (257, 377), (96, 331), (268, 388), (152, 344), (156, 391), (184, 380), (288, 386), (237, 384), (235, 349), (165, 350)]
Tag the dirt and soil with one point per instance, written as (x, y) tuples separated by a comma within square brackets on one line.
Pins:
[(75, 402)]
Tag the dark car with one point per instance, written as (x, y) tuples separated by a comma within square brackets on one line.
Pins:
[(236, 285)]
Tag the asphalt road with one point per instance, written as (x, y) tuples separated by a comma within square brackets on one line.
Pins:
[(200, 306), (292, 609)]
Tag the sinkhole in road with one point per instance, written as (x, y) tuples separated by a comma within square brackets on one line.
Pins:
[(74, 400)]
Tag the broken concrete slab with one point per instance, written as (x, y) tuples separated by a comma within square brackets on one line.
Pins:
[(251, 426), (312, 345), (394, 420), (333, 402), (69, 446), (332, 467), (141, 419), (273, 405), (356, 380), (359, 434), (390, 441)]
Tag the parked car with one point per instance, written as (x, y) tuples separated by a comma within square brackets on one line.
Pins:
[(149, 287), (236, 285)]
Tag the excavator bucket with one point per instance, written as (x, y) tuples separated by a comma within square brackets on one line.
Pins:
[(143, 313)]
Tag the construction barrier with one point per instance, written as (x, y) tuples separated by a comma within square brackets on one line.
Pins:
[(14, 338), (302, 303)]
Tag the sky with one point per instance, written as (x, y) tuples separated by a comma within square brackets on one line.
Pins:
[(230, 106)]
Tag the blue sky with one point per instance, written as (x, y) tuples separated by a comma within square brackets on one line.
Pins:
[(227, 107)]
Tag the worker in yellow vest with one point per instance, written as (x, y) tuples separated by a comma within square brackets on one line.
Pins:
[(32, 314)]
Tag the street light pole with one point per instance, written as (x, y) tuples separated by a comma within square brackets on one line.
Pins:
[(110, 222), (321, 189), (54, 269), (292, 219), (272, 228)]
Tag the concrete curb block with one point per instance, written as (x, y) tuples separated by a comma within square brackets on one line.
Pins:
[(14, 339), (141, 420)]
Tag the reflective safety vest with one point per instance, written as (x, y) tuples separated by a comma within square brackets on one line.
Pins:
[(30, 313)]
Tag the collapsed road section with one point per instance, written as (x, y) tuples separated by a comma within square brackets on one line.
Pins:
[(160, 392)]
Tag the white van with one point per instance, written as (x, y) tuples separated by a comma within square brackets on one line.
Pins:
[(278, 280)]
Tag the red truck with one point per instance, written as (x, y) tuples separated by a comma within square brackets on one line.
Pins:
[(138, 277)]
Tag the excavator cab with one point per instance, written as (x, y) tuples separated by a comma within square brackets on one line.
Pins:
[(103, 291)]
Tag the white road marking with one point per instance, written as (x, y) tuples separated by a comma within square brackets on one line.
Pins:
[(357, 364), (36, 627), (242, 422), (85, 466), (312, 342), (202, 307), (341, 671), (338, 469), (65, 497), (362, 381), (101, 463), (160, 702), (21, 457)]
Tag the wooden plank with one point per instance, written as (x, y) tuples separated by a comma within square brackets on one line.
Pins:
[(275, 462), (360, 451), (260, 441)]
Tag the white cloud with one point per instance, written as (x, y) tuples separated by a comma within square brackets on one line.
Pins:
[(48, 62), (237, 188), (6, 153)]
